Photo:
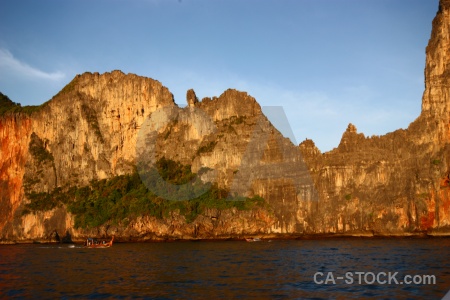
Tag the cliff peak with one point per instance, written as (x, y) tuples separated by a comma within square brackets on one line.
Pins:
[(309, 149), (444, 4), (191, 98), (351, 128), (6, 103)]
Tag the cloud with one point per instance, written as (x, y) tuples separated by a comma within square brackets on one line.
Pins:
[(12, 64)]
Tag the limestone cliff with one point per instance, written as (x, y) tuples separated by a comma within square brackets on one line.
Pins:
[(15, 131), (392, 184), (398, 182), (88, 131)]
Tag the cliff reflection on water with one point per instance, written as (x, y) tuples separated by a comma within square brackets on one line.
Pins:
[(263, 270)]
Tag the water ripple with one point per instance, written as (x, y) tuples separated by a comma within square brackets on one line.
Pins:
[(222, 270)]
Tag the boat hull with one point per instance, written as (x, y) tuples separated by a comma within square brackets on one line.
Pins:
[(90, 243)]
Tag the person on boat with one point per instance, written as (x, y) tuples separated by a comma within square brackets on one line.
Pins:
[(89, 242)]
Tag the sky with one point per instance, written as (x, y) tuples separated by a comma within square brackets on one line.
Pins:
[(327, 63)]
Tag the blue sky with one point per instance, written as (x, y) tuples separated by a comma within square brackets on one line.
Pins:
[(327, 62)]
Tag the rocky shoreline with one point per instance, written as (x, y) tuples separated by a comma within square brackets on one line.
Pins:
[(269, 237)]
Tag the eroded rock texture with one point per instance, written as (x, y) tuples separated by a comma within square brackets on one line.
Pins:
[(398, 183)]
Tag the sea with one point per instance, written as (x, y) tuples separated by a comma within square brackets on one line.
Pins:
[(336, 268)]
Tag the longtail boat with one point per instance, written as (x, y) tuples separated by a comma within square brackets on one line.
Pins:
[(94, 243), (253, 239)]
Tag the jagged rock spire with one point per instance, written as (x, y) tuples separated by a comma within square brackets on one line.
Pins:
[(191, 98)]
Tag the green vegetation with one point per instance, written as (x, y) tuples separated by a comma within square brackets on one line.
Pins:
[(45, 201), (436, 162), (38, 151), (348, 197), (174, 172), (68, 88), (92, 120), (8, 106), (207, 148), (123, 198), (237, 120), (424, 196), (6, 103), (169, 128)]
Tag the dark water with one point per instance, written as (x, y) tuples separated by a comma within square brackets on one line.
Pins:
[(225, 270)]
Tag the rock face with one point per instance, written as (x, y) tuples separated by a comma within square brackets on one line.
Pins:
[(15, 132), (398, 183), (88, 131), (191, 98)]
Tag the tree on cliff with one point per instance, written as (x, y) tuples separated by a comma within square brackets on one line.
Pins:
[(6, 103)]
